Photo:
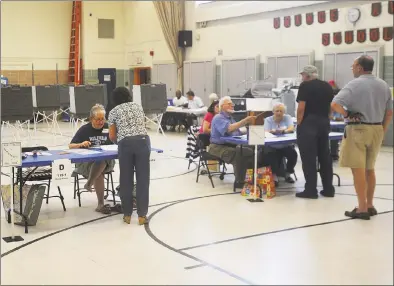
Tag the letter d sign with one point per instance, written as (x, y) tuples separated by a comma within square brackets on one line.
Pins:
[(61, 167)]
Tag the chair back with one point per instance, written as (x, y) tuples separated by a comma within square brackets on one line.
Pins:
[(203, 141)]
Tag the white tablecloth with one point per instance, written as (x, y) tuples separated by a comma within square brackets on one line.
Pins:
[(198, 111)]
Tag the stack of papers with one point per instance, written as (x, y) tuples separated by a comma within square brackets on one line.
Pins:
[(39, 153), (109, 147), (81, 151)]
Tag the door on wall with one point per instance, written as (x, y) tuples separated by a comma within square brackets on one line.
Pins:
[(107, 76), (343, 64), (238, 75), (141, 76), (167, 74), (337, 66), (286, 66), (199, 76)]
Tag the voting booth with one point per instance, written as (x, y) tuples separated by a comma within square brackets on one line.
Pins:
[(84, 97), (45, 98), (64, 95), (154, 98), (16, 103)]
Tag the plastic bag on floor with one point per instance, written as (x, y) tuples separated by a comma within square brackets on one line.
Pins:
[(265, 182)]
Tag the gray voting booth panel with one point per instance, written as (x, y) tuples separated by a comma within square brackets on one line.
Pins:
[(64, 95), (154, 98), (16, 103), (46, 97), (84, 97)]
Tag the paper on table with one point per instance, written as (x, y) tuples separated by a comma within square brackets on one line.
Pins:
[(269, 135), (109, 147), (81, 151), (38, 153)]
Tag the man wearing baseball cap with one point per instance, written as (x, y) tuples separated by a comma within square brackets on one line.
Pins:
[(368, 103), (313, 127)]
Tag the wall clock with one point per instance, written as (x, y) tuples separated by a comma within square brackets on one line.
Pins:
[(353, 15)]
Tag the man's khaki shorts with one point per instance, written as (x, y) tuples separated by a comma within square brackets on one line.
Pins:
[(361, 146)]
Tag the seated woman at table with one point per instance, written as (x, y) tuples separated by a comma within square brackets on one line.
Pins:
[(127, 128), (213, 109), (282, 123), (94, 134)]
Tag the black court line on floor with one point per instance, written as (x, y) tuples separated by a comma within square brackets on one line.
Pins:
[(150, 233), (272, 232), (202, 262), (280, 190), (94, 220), (195, 266), (68, 228)]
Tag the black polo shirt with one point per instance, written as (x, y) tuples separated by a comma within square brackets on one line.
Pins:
[(317, 95)]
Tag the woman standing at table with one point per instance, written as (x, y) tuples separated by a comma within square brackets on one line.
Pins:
[(127, 128), (94, 134)]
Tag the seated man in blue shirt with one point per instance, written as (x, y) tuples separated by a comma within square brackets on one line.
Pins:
[(282, 123), (224, 125)]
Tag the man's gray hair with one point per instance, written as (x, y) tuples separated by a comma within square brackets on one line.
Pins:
[(97, 108), (279, 104), (223, 100)]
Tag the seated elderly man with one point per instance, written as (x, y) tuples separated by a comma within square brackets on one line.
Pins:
[(94, 134), (223, 124), (281, 123)]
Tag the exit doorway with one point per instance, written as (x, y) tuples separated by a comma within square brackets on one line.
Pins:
[(140, 75)]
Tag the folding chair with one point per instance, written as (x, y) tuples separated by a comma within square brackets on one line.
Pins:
[(40, 174), (205, 156)]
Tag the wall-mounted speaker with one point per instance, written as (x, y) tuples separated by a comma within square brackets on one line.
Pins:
[(185, 39)]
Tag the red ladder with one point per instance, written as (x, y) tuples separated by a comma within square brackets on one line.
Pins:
[(74, 64)]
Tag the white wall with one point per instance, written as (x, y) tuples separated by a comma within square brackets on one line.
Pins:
[(36, 33), (255, 35), (102, 53), (143, 34)]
